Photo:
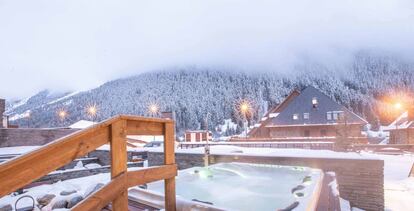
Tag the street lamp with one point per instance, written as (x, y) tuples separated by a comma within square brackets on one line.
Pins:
[(62, 115), (245, 108), (398, 106), (28, 116), (153, 109), (92, 111), (207, 146)]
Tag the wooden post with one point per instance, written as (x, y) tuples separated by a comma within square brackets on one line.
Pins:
[(119, 162), (169, 158)]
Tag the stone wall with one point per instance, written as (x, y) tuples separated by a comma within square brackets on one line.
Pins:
[(11, 137), (359, 181), (105, 158)]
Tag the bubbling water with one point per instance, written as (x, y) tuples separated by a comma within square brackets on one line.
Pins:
[(239, 186)]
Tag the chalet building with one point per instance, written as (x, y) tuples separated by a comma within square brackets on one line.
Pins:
[(4, 119), (309, 115), (197, 135), (402, 129), (168, 115)]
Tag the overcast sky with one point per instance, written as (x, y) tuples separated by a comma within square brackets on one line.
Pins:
[(78, 44)]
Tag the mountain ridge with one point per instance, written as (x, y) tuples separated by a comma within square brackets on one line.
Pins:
[(193, 92)]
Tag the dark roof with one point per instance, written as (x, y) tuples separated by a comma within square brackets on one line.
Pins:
[(303, 104)]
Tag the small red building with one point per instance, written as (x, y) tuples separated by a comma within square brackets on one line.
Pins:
[(197, 135)]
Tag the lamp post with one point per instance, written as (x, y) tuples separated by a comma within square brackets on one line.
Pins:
[(62, 116), (207, 146), (92, 111), (28, 116), (153, 109), (245, 108), (398, 106)]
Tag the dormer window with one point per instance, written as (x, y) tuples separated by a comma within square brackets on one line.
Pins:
[(315, 102), (295, 116), (329, 115), (335, 115)]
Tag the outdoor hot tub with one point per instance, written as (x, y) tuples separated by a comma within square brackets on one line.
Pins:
[(239, 186)]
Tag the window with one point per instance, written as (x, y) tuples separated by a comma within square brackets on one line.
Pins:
[(341, 115), (323, 132), (315, 102), (295, 116), (306, 133), (329, 115), (335, 115), (305, 115)]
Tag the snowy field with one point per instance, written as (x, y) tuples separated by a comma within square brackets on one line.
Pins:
[(399, 188)]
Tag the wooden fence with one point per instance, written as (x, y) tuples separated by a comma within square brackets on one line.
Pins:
[(22, 170)]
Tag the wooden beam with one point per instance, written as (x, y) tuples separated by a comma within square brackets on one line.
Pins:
[(119, 161), (109, 192), (151, 174), (144, 128), (103, 196), (169, 158), (169, 144), (23, 170), (144, 119)]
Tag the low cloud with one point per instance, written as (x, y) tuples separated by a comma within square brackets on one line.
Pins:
[(75, 45)]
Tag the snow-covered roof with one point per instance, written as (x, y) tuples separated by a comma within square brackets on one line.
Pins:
[(273, 115), (197, 131), (81, 124), (402, 122)]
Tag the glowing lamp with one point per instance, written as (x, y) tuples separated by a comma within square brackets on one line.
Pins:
[(398, 106), (62, 114)]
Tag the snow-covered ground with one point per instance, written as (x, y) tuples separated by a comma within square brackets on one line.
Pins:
[(20, 116), (399, 188), (231, 150), (82, 186)]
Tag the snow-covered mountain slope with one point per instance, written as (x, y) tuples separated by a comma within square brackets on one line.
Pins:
[(192, 93), (16, 109)]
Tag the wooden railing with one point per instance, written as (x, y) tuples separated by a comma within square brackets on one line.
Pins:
[(25, 169)]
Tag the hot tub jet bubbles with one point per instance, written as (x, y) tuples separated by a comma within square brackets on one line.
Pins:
[(299, 168), (307, 180), (299, 194), (204, 173)]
